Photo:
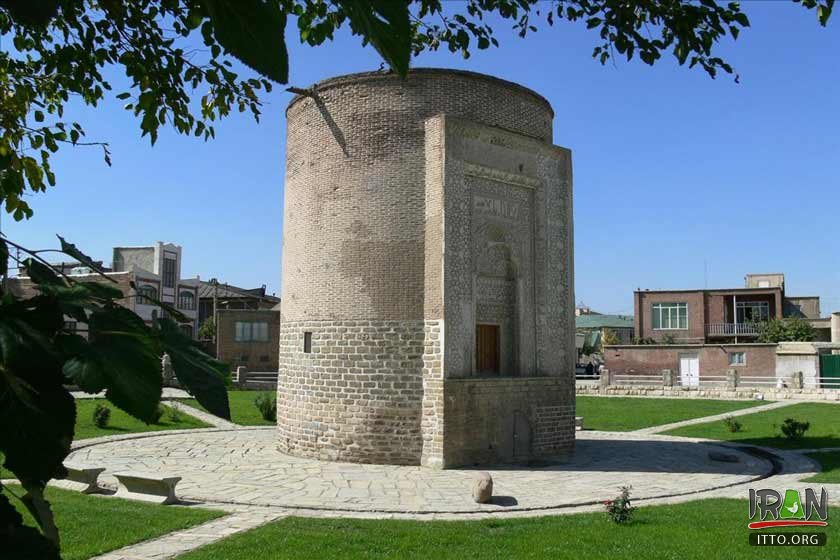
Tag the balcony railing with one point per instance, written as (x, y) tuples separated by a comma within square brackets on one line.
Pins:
[(733, 329)]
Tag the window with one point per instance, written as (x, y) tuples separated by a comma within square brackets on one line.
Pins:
[(147, 295), (169, 272), (186, 300), (307, 343), (737, 358), (670, 316), (264, 358), (764, 283), (251, 332), (753, 311)]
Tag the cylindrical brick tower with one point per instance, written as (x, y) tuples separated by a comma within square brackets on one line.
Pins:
[(363, 276)]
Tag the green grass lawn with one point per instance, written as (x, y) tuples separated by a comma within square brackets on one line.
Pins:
[(93, 525), (122, 423), (620, 414), (702, 529), (830, 463), (242, 409), (763, 428)]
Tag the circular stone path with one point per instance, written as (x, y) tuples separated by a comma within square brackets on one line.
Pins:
[(244, 467)]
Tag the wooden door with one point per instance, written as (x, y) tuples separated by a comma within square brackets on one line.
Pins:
[(487, 349)]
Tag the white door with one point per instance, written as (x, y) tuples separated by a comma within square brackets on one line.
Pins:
[(689, 370)]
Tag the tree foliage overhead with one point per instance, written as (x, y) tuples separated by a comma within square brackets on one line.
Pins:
[(174, 52)]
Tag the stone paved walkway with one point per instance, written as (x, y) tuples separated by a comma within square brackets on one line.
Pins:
[(168, 393), (742, 412), (205, 417), (179, 542), (238, 469), (244, 467)]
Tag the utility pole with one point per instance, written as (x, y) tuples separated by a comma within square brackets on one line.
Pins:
[(215, 315)]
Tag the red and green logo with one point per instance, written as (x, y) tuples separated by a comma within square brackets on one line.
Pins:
[(769, 508)]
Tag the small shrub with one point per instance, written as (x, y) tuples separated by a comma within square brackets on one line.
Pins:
[(157, 415), (732, 425), (794, 429), (101, 415), (267, 405), (619, 509), (669, 339), (174, 415)]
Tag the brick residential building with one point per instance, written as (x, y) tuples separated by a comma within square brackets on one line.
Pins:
[(718, 316), (249, 337), (213, 295), (706, 332)]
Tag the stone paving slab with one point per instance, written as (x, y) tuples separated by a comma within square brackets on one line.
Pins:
[(168, 393), (205, 417), (244, 467), (179, 542), (704, 419)]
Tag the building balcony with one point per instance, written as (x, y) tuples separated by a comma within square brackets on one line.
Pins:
[(733, 329)]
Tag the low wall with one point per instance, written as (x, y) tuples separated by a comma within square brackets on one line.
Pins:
[(714, 358), (746, 393)]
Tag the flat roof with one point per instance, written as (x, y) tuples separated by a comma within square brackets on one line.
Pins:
[(773, 289)]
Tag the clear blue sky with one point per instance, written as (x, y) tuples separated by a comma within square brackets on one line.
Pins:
[(672, 169)]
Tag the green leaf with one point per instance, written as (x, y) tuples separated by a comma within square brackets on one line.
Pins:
[(29, 12), (123, 358), (20, 541), (4, 258), (41, 273), (34, 405), (386, 24), (201, 374), (73, 251), (254, 32)]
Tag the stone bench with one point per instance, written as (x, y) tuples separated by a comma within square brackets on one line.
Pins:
[(147, 487), (85, 478)]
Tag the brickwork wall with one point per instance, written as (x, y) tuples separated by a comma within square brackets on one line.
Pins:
[(432, 423), (371, 206), (357, 396), (714, 359), (355, 186), (770, 393), (254, 355), (696, 331), (503, 420)]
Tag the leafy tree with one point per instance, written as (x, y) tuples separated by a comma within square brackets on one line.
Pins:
[(61, 49), (786, 330), (207, 330), (609, 338), (39, 356)]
